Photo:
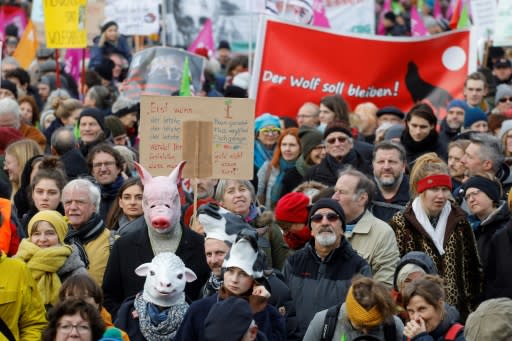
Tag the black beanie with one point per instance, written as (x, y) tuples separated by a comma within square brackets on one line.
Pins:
[(309, 139), (338, 126), (328, 203), (94, 113), (489, 187), (105, 68), (8, 85), (107, 25)]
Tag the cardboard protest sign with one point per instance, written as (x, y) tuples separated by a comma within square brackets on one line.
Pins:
[(134, 17), (295, 64), (65, 23), (214, 135), (158, 71)]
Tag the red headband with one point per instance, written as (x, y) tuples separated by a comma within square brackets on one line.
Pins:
[(434, 181)]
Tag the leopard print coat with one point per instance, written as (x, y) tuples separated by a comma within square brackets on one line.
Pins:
[(460, 265)]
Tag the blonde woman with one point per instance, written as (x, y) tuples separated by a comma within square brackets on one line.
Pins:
[(431, 223), (16, 156), (108, 42)]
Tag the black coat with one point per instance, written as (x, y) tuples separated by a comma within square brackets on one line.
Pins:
[(498, 277), (134, 249)]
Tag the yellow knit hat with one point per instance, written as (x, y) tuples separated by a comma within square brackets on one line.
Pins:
[(54, 218), (359, 316)]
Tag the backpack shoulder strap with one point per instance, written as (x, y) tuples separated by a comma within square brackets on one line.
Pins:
[(390, 330), (331, 317), (453, 331), (5, 331)]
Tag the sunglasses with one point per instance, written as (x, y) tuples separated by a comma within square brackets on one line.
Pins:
[(331, 217), (340, 139), (270, 130), (505, 99)]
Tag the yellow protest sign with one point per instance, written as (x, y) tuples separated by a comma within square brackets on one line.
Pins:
[(65, 23)]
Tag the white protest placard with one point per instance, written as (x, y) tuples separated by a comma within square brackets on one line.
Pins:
[(134, 17), (483, 13), (214, 135), (503, 25), (351, 16)]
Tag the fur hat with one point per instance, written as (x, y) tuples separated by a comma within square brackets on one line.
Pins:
[(473, 115), (219, 223), (246, 255), (328, 203), (293, 208), (54, 218)]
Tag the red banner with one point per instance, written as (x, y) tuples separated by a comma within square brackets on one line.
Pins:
[(295, 64)]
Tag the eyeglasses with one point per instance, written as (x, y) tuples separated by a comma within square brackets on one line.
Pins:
[(505, 99), (340, 139), (472, 194), (331, 217), (80, 328), (101, 164), (273, 131), (305, 116), (319, 147)]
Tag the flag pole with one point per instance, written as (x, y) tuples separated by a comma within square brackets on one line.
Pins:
[(82, 74), (163, 35), (57, 69)]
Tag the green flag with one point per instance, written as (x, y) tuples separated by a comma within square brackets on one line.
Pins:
[(420, 6), (464, 18), (185, 80)]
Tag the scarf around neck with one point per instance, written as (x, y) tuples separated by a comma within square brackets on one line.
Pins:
[(44, 263), (261, 153), (110, 191), (158, 325), (275, 192), (428, 144), (86, 233), (437, 233)]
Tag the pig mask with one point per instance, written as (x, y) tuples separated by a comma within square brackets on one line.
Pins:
[(161, 200)]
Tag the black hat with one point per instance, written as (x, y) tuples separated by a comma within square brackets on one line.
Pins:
[(228, 320), (94, 113), (105, 68), (8, 85), (491, 188), (502, 63), (107, 25), (309, 139), (11, 30), (223, 44), (390, 16), (337, 126), (328, 203), (234, 91), (391, 111)]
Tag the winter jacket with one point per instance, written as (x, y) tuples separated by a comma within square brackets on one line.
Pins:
[(447, 134), (375, 241), (98, 251), (460, 265), (134, 249), (386, 209), (31, 132), (328, 169), (269, 321), (74, 163), (439, 333), (21, 307), (345, 328), (318, 283), (98, 53), (498, 277)]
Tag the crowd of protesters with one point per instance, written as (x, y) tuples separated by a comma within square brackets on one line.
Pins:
[(372, 223)]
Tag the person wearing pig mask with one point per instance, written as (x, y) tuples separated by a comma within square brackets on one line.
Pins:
[(158, 230)]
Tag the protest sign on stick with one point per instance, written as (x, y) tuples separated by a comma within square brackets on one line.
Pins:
[(214, 135), (65, 23)]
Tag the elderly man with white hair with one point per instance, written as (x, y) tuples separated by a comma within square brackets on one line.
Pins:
[(81, 201), (10, 117)]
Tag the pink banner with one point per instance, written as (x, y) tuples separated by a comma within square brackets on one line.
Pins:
[(12, 15), (73, 58), (204, 39), (418, 28)]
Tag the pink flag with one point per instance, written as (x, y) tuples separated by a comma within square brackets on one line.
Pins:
[(320, 19), (12, 15), (437, 10), (386, 7), (418, 28), (204, 39), (73, 59)]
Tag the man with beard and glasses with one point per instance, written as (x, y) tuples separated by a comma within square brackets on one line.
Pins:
[(320, 273), (392, 192), (452, 124), (372, 238)]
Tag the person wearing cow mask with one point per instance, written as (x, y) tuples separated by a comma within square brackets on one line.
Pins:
[(242, 271)]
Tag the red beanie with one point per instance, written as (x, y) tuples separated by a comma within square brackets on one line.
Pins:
[(293, 208)]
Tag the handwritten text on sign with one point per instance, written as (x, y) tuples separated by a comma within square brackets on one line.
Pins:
[(232, 137), (65, 23)]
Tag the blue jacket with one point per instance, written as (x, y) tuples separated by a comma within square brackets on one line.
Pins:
[(98, 53), (269, 321)]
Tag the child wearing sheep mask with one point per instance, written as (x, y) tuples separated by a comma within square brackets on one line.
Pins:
[(242, 268)]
